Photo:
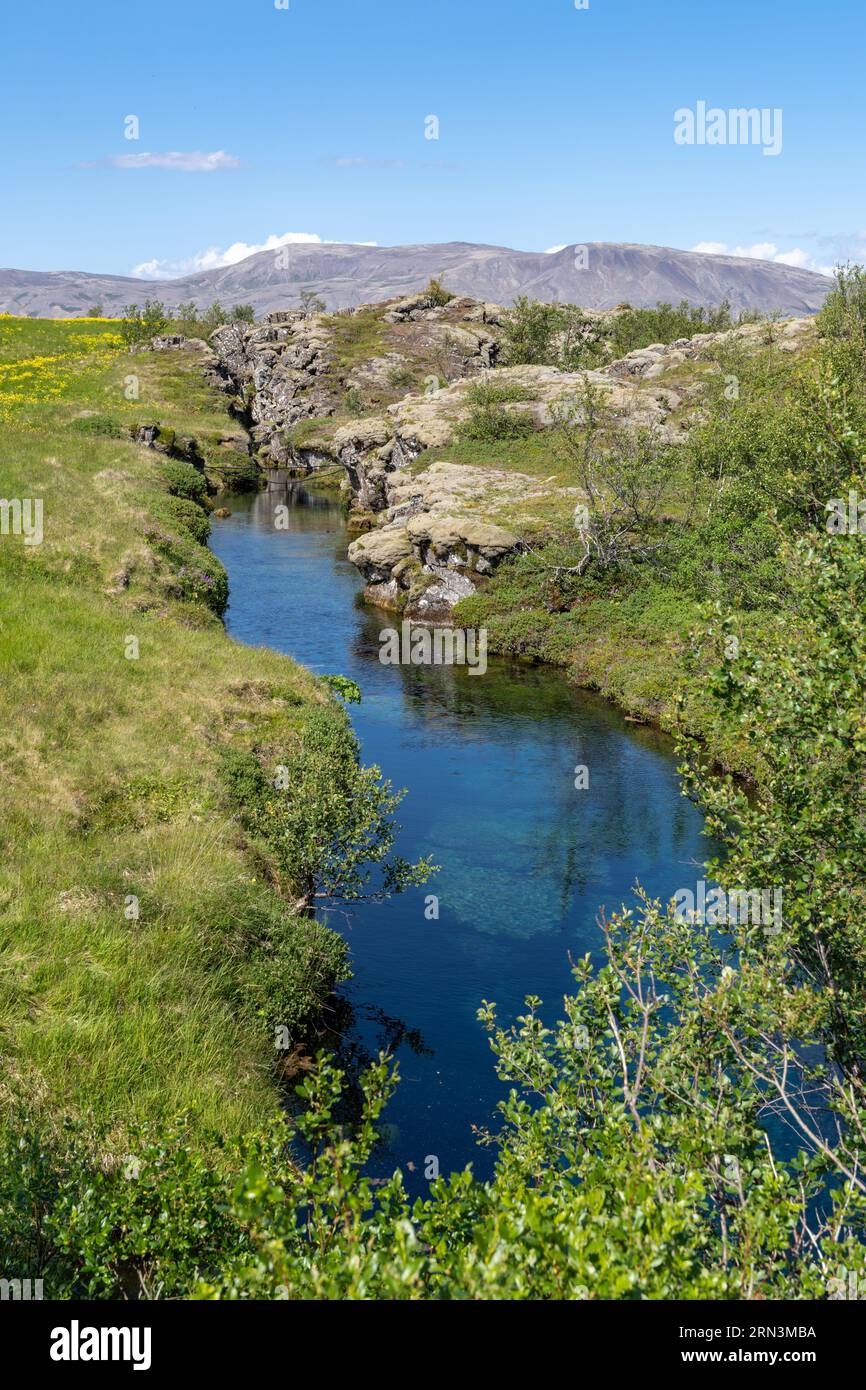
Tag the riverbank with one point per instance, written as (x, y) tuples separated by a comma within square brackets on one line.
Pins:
[(138, 914), (464, 493), (176, 1214)]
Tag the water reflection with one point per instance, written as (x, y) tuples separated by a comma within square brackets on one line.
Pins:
[(526, 859)]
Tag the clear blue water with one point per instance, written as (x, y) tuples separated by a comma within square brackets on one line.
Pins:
[(488, 761)]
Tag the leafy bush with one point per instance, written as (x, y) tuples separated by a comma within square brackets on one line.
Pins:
[(189, 515), (402, 378), (141, 323), (184, 480), (101, 426), (293, 972), (197, 576), (436, 294), (331, 825), (488, 421), (564, 336), (634, 1162), (637, 328), (552, 335), (843, 313)]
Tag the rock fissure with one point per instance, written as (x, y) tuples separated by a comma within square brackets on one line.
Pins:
[(374, 389)]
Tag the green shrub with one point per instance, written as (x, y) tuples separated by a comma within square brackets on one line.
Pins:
[(293, 971), (197, 576), (353, 401), (141, 323), (552, 335), (843, 313), (436, 294), (184, 480), (331, 827), (637, 328), (488, 421), (402, 378), (102, 426), (189, 515)]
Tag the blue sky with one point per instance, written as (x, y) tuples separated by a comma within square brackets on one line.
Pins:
[(555, 126)]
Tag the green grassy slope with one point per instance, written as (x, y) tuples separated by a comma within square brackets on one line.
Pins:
[(111, 766)]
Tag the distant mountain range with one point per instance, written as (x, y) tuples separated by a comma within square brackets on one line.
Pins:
[(597, 276)]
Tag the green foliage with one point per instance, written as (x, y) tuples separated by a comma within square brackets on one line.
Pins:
[(331, 825), (436, 294), (311, 303), (294, 967), (572, 339), (623, 475), (552, 335), (195, 573), (347, 689), (637, 328), (843, 313), (189, 515), (633, 1162), (144, 1225), (353, 401), (488, 421), (139, 323), (402, 378), (184, 480), (102, 425), (799, 699)]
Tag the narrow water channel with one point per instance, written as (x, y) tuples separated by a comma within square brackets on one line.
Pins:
[(526, 859)]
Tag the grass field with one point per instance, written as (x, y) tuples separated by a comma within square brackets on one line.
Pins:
[(130, 904)]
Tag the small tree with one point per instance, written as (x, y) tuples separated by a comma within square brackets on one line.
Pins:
[(436, 294), (140, 323), (186, 319), (552, 335), (331, 829), (623, 475), (311, 303)]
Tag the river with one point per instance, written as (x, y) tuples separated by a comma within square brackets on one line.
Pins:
[(489, 762)]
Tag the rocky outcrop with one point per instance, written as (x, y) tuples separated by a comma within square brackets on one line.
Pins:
[(435, 542), (373, 449), (432, 532), (279, 372), (296, 368), (651, 362)]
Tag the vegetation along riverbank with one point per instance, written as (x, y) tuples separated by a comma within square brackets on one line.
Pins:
[(586, 505)]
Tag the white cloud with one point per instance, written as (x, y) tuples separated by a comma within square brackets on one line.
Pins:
[(186, 161), (765, 251), (214, 259)]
